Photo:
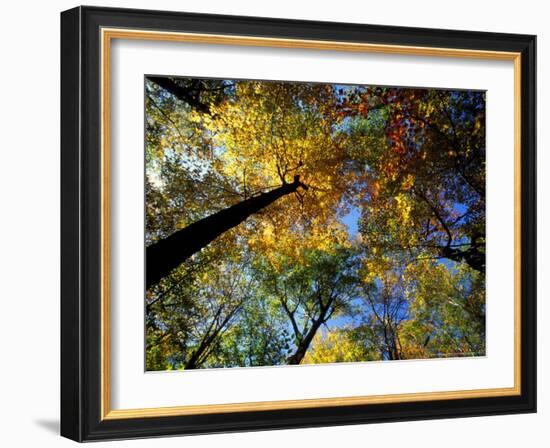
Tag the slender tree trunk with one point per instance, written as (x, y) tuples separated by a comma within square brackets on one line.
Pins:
[(300, 352), (167, 254), (305, 341)]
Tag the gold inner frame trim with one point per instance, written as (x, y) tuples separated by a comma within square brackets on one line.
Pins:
[(107, 35)]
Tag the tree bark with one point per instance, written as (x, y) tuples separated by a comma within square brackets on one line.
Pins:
[(181, 93), (305, 341), (167, 254), (472, 256), (298, 355)]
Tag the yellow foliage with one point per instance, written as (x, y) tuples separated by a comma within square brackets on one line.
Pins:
[(333, 346)]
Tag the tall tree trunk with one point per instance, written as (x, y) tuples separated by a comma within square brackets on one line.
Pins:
[(298, 355), (305, 341), (473, 257), (167, 254), (186, 95)]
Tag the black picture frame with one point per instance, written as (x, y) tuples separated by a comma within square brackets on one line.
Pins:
[(81, 224)]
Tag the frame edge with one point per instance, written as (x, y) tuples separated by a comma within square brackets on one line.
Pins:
[(71, 380)]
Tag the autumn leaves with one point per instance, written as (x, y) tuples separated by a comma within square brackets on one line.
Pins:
[(249, 259)]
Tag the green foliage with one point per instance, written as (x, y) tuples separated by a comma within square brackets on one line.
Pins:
[(293, 283)]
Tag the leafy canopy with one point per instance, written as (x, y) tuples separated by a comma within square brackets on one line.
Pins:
[(379, 255)]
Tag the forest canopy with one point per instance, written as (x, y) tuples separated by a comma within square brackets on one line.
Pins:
[(300, 223)]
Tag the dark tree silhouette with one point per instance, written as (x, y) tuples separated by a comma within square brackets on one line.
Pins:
[(167, 254), (190, 92), (474, 255), (305, 342)]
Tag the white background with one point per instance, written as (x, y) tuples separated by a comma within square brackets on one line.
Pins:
[(131, 387), (29, 185)]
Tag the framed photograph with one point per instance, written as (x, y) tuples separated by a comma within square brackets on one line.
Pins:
[(272, 223)]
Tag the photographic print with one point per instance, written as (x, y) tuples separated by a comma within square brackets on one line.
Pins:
[(345, 212), (304, 223)]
